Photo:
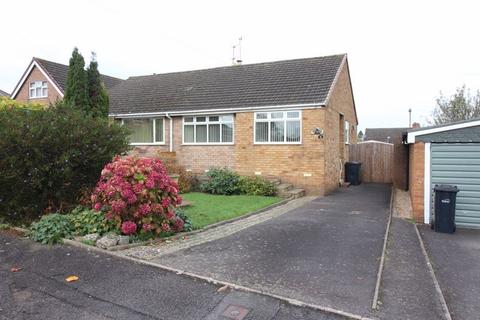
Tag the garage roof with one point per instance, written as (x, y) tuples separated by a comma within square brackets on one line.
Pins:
[(463, 131)]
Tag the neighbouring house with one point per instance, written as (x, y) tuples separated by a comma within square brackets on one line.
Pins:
[(287, 119), (446, 154), (45, 81), (388, 135), (4, 94)]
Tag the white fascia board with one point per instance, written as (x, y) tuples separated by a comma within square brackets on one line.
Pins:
[(427, 196), (25, 76), (411, 135), (220, 111)]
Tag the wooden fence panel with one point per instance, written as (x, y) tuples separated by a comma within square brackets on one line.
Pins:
[(376, 158)]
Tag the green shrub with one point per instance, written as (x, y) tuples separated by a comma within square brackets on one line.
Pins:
[(7, 103), (51, 228), (221, 181), (256, 186), (187, 222), (49, 156), (85, 221)]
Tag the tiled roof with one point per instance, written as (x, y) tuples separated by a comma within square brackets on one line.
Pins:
[(299, 81), (390, 135), (4, 94), (58, 72)]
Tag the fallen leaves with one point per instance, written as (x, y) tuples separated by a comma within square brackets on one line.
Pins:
[(71, 278), (225, 287)]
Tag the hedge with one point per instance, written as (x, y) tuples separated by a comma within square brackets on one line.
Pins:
[(48, 157)]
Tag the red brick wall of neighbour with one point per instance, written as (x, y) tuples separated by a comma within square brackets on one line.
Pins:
[(416, 179), (341, 102), (37, 75)]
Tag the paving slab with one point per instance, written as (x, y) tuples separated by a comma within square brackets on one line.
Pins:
[(326, 252), (114, 288), (456, 261), (407, 288)]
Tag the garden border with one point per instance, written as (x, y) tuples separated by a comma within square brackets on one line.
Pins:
[(189, 233)]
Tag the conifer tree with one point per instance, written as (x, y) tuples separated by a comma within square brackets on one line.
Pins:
[(76, 90), (97, 93)]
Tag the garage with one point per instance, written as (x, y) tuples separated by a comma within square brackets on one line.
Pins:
[(448, 154), (459, 164)]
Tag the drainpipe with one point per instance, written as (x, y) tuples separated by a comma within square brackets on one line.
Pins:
[(170, 132)]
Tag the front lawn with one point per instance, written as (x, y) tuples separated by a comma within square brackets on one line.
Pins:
[(208, 209)]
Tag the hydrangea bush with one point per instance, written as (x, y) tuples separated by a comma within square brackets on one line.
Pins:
[(139, 196)]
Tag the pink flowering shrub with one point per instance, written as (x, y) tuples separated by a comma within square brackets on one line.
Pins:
[(139, 196)]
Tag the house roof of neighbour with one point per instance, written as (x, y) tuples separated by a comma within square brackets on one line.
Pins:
[(4, 94), (456, 132), (390, 135), (281, 83), (57, 73)]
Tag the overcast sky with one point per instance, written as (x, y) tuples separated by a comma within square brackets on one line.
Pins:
[(401, 54)]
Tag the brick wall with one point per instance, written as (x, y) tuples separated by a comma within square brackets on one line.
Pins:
[(301, 165), (37, 75), (416, 179), (400, 166), (341, 102)]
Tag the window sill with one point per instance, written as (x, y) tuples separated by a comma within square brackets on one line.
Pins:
[(209, 144), (278, 143), (30, 98), (148, 144)]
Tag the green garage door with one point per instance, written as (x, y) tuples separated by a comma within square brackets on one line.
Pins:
[(459, 164)]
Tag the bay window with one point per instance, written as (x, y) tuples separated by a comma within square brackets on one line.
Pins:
[(217, 129), (145, 130), (278, 127)]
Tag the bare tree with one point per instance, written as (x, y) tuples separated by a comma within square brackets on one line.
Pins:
[(460, 106)]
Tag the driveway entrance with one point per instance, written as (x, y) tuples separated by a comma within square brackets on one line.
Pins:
[(456, 260), (326, 252)]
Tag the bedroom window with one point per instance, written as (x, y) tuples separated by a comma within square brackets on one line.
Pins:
[(38, 89), (145, 131), (217, 129), (278, 127)]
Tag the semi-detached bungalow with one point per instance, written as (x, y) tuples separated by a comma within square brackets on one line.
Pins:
[(291, 119)]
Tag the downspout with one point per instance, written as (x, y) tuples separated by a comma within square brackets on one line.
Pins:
[(170, 132)]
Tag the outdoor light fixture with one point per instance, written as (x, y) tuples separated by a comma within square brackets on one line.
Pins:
[(317, 132)]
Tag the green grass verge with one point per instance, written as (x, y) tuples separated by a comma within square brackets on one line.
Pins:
[(207, 209)]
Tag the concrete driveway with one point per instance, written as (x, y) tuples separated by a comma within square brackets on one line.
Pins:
[(456, 261), (326, 252)]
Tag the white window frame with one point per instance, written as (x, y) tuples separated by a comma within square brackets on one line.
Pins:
[(207, 122), (346, 132), (269, 119), (36, 85), (154, 143)]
